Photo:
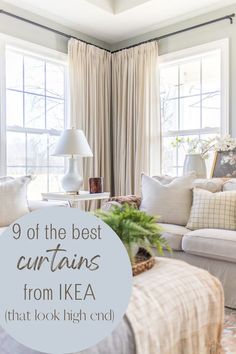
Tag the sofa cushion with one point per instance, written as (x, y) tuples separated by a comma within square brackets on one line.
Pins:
[(170, 203), (13, 199), (213, 210), (211, 243), (230, 185), (174, 234)]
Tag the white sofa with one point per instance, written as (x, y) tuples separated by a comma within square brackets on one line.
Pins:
[(37, 204), (210, 249)]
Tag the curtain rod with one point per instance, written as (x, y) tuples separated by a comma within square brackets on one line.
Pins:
[(227, 17), (63, 34)]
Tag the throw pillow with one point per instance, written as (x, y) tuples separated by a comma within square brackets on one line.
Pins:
[(212, 185), (213, 210), (164, 179), (230, 185), (13, 200), (171, 203)]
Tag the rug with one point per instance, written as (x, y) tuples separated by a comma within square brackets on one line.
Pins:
[(229, 334)]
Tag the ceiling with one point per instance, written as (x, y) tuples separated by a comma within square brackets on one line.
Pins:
[(116, 20)]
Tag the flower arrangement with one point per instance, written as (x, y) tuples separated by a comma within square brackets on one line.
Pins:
[(226, 143), (195, 145)]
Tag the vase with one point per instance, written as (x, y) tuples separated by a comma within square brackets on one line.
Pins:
[(195, 162)]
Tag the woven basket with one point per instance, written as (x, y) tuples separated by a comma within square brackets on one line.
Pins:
[(143, 261)]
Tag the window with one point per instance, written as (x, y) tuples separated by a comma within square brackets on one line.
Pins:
[(35, 116), (193, 99)]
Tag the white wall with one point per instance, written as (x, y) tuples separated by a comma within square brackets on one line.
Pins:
[(185, 40), (196, 37), (37, 35)]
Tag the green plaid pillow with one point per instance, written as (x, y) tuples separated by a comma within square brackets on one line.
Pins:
[(213, 210)]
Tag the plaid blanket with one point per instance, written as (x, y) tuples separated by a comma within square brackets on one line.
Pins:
[(176, 309)]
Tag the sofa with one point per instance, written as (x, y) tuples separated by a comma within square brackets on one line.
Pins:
[(212, 249), (37, 204)]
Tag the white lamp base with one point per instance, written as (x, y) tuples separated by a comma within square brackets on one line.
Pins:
[(72, 181)]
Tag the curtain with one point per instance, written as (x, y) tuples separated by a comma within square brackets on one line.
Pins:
[(90, 106), (135, 116)]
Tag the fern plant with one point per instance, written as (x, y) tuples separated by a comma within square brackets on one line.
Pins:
[(135, 228)]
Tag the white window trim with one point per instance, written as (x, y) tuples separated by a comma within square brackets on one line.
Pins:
[(29, 49), (222, 44)]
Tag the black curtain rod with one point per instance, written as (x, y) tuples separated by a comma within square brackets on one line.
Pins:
[(228, 17), (63, 34)]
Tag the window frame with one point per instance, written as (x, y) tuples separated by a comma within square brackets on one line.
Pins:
[(34, 51), (191, 53)]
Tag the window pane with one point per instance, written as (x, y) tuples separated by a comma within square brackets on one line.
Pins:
[(55, 176), (35, 99), (190, 113), (55, 80), (211, 109), (55, 114), (169, 113), (14, 108), (211, 69), (169, 82), (54, 160), (169, 157), (39, 184), (37, 150), (34, 75), (16, 149), (34, 111), (14, 70), (190, 78)]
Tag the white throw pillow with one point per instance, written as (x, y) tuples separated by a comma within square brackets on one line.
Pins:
[(171, 203), (213, 210), (13, 200), (212, 185), (230, 185)]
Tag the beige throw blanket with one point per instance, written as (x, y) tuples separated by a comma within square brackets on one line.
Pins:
[(176, 309)]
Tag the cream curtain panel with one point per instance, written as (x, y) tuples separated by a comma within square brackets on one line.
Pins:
[(90, 106), (135, 116)]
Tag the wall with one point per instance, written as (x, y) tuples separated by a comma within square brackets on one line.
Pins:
[(181, 41), (37, 35), (196, 37)]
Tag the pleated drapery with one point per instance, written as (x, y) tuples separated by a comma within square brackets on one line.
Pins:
[(115, 101), (90, 106), (135, 116)]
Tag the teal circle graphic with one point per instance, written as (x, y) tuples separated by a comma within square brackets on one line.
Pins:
[(66, 280)]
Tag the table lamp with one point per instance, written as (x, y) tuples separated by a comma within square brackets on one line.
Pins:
[(72, 144)]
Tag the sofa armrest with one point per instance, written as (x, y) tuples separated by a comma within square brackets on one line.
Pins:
[(132, 200), (39, 204)]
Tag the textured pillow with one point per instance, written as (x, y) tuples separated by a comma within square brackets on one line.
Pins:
[(213, 210), (164, 179), (171, 203), (212, 185), (230, 185), (13, 200)]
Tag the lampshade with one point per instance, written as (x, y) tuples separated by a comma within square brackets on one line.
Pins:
[(73, 142)]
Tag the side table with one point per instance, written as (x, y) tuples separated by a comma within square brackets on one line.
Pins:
[(75, 199)]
